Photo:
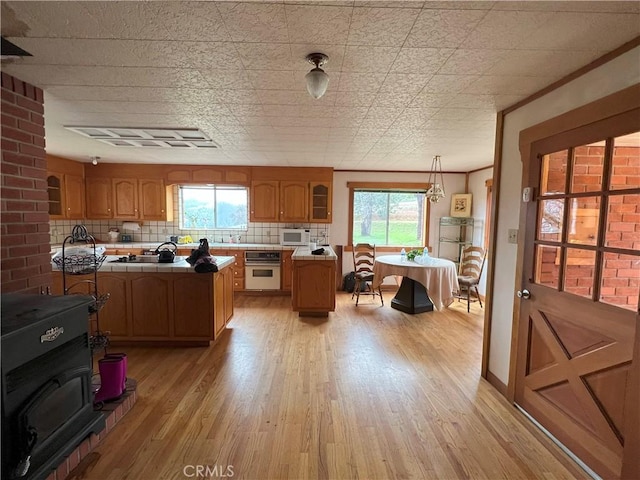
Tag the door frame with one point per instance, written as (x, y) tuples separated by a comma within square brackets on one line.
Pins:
[(612, 105)]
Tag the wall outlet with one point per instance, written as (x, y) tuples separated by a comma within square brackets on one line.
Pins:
[(513, 235)]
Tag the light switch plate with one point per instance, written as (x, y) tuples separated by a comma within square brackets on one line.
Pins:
[(513, 235)]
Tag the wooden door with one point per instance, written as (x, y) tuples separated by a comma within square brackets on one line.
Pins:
[(152, 199), (125, 198), (320, 197), (294, 203), (74, 196), (581, 272), (99, 198), (264, 201)]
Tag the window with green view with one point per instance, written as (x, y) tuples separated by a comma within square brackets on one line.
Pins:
[(213, 207), (389, 217)]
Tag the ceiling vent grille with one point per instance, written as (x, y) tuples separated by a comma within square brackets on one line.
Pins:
[(147, 137)]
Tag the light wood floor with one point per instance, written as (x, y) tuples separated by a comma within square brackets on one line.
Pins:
[(369, 393)]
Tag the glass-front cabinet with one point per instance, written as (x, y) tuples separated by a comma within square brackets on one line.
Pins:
[(320, 198)]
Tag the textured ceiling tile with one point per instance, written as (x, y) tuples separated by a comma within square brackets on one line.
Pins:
[(213, 55), (507, 85), (117, 53), (258, 56), (575, 6), (484, 101), (379, 123), (404, 82), (274, 79), (443, 28), (252, 121), (542, 62), (252, 22), (360, 82), (277, 97), (250, 110), (389, 3), (393, 99), (237, 97), (430, 100), (463, 5), (470, 62), (354, 99), (318, 24), (573, 31), (381, 26), (414, 117), (426, 61), (449, 83), (350, 112), (369, 59), (226, 79), (499, 29)]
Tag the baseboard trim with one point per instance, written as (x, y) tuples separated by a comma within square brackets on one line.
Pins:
[(497, 383)]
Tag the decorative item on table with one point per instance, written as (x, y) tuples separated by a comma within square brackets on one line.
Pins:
[(79, 260), (412, 254)]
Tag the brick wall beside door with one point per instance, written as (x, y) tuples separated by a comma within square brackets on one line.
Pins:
[(24, 251)]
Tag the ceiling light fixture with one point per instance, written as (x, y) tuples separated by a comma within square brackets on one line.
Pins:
[(317, 80), (436, 188), (94, 160)]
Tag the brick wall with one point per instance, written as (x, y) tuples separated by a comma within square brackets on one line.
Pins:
[(24, 217)]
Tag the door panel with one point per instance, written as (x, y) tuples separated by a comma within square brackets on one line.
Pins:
[(577, 328)]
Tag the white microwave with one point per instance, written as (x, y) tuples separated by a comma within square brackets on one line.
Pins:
[(294, 236)]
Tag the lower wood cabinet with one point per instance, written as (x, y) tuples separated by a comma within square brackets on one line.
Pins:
[(313, 287), (160, 307), (286, 275)]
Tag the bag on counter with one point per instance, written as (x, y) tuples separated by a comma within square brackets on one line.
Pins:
[(201, 259)]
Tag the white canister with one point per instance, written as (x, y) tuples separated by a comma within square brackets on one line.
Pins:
[(312, 246), (113, 236)]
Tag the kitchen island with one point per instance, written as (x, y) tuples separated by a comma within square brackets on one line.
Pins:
[(159, 303), (313, 291)]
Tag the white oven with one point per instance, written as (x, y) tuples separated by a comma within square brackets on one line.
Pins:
[(261, 270)]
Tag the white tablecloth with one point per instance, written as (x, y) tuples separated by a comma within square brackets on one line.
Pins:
[(439, 276)]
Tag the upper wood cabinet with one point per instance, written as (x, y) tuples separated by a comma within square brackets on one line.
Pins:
[(129, 199), (320, 201), (191, 174), (66, 196), (99, 198), (294, 203), (265, 203), (291, 201)]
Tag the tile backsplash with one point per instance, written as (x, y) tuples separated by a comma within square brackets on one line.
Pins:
[(160, 231)]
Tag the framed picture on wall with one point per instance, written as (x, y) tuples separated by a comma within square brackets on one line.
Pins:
[(461, 205)]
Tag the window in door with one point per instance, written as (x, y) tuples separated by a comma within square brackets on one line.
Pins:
[(588, 224)]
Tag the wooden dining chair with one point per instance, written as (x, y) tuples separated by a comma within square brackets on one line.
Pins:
[(364, 254), (471, 266)]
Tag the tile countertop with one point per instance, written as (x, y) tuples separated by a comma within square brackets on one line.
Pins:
[(225, 246), (180, 265), (304, 253)]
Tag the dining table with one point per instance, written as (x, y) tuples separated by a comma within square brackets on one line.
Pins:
[(427, 283)]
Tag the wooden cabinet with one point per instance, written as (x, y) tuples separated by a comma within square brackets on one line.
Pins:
[(187, 308), (290, 199), (191, 174), (237, 269), (99, 198), (151, 305), (66, 196), (287, 270), (320, 201), (125, 198), (191, 305), (294, 203), (115, 317), (313, 287), (129, 199), (265, 203)]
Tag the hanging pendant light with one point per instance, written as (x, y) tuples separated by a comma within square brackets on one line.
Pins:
[(436, 181), (317, 80)]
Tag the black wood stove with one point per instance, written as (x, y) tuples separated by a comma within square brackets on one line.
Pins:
[(47, 405)]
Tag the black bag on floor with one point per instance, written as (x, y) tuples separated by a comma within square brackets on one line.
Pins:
[(349, 282)]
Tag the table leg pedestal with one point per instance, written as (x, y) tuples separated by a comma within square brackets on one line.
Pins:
[(412, 297)]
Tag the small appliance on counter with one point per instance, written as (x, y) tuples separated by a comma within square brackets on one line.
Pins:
[(166, 252), (294, 236), (126, 237)]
